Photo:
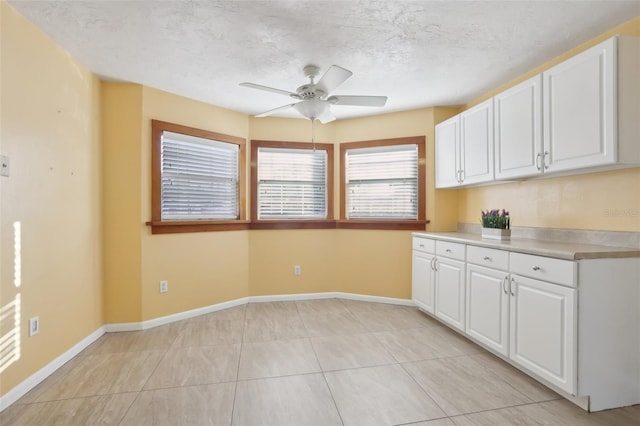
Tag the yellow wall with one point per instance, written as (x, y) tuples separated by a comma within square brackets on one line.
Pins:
[(121, 157), (80, 187), (365, 261), (50, 131), (602, 201), (202, 268)]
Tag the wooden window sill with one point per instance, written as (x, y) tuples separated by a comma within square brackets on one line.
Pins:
[(294, 224), (397, 225), (176, 227)]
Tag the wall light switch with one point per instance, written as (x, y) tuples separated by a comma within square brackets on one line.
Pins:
[(34, 326), (4, 165)]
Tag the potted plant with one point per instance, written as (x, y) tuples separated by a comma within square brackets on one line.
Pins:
[(496, 224)]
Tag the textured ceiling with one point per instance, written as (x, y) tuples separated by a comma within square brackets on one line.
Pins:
[(418, 53)]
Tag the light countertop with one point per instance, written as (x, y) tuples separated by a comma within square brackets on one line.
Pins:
[(559, 250)]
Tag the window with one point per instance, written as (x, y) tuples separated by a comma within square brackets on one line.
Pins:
[(197, 180), (383, 184), (291, 185)]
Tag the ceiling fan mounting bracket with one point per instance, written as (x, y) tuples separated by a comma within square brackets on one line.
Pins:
[(311, 71)]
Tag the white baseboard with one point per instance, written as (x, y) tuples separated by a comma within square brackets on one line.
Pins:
[(32, 381), (144, 325), (17, 392), (376, 299)]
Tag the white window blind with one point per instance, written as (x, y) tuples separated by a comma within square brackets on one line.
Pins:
[(292, 183), (199, 178), (382, 182)]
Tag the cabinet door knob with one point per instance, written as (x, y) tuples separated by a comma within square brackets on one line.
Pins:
[(448, 250), (487, 258), (512, 286), (538, 155), (504, 284), (536, 268)]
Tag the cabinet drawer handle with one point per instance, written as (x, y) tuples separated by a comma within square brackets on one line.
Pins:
[(448, 250), (487, 258), (536, 268), (538, 155), (544, 160), (512, 286), (421, 245), (504, 284)]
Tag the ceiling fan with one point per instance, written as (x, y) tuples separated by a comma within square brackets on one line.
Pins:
[(314, 100)]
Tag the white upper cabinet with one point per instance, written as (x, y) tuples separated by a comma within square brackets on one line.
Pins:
[(579, 110), (591, 110), (464, 147), (476, 142), (579, 116), (518, 130), (447, 153)]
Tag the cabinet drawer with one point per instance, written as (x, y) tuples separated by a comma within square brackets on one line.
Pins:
[(544, 268), (424, 245), (491, 258), (452, 250)]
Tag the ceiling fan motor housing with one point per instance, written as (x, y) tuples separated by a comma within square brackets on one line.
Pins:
[(309, 91)]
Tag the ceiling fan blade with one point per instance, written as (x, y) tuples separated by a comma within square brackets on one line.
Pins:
[(326, 116), (333, 78), (373, 101), (275, 110), (270, 89)]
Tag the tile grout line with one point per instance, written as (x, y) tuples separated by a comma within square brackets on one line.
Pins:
[(169, 346), (424, 390), (235, 389), (324, 377)]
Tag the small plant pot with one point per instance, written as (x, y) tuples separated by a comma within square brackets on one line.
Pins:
[(496, 234)]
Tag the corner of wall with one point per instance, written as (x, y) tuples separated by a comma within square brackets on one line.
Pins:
[(121, 199)]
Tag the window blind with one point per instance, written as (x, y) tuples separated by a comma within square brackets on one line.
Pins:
[(199, 178), (292, 183), (382, 182)]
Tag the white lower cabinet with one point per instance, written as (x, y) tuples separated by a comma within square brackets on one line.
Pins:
[(487, 307), (449, 280), (422, 280), (573, 325), (543, 330)]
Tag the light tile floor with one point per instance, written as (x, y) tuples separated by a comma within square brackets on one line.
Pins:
[(320, 362)]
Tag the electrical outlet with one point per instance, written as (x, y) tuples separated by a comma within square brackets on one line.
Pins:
[(4, 165), (34, 326), (297, 270), (164, 286)]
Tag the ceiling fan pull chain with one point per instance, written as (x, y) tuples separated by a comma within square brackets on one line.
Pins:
[(313, 134)]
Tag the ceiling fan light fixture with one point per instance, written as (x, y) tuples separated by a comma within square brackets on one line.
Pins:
[(311, 108)]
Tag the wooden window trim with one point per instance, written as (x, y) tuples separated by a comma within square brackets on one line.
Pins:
[(256, 223), (419, 224), (158, 226)]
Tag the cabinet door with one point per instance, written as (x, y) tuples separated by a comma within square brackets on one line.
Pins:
[(543, 330), (518, 130), (487, 307), (579, 110), (450, 292), (422, 281), (476, 144), (447, 146)]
